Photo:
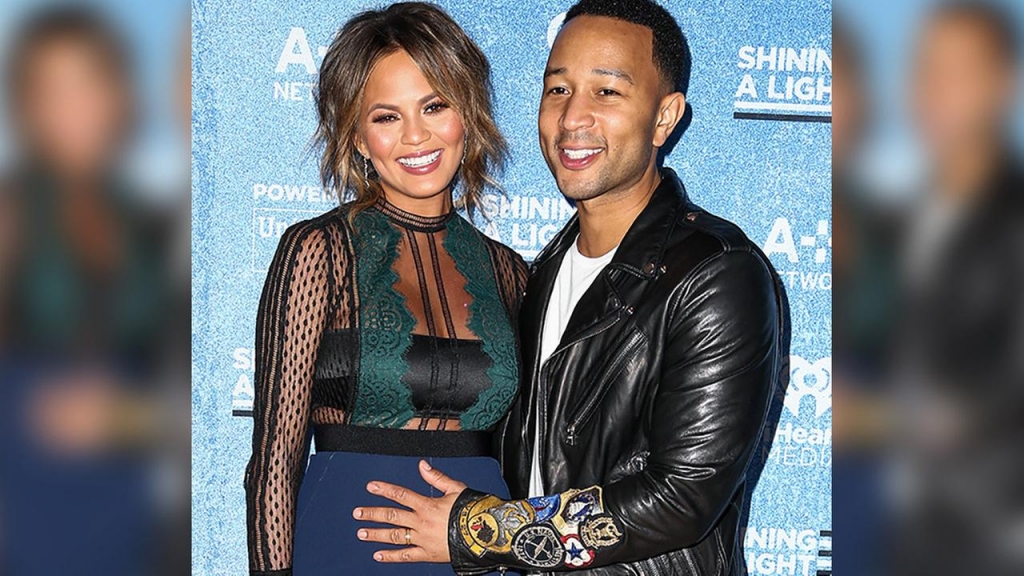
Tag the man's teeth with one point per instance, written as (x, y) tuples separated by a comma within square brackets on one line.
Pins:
[(580, 154), (419, 160)]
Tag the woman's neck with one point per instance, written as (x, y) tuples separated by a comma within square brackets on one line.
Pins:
[(437, 205)]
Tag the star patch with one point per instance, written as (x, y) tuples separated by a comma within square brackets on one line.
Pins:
[(576, 554)]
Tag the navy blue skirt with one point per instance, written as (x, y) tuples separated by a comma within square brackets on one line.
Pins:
[(335, 484)]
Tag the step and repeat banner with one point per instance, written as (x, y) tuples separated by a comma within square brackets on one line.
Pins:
[(757, 152)]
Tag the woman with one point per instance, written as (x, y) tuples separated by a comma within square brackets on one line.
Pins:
[(386, 326), (84, 327)]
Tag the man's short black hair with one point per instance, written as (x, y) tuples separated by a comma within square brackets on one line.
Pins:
[(671, 51)]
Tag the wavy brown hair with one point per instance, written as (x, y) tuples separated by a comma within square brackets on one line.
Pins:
[(452, 63)]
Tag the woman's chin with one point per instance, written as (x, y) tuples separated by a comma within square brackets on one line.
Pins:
[(423, 190)]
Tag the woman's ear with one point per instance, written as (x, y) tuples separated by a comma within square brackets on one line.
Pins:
[(360, 145), (670, 112)]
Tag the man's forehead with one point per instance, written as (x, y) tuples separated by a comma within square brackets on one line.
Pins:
[(603, 43)]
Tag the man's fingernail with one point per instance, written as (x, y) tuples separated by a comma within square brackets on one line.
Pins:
[(378, 556), (372, 487), (362, 534), (358, 513), (427, 465)]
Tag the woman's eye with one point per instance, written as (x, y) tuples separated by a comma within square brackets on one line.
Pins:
[(385, 119), (436, 107)]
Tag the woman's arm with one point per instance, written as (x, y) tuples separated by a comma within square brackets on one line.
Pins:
[(292, 315)]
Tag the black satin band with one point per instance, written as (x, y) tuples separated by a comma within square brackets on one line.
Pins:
[(401, 442), (410, 220)]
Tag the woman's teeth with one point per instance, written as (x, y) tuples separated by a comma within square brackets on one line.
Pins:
[(580, 154), (419, 161)]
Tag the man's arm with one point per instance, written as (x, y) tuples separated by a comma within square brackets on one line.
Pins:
[(721, 361)]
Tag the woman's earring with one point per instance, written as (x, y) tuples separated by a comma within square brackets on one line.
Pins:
[(366, 169), (465, 146)]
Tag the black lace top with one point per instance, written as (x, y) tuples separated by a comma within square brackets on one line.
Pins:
[(392, 320)]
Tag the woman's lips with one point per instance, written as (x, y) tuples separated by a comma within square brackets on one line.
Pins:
[(421, 163), (578, 158)]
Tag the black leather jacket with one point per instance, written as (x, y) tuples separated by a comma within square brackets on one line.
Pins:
[(652, 405)]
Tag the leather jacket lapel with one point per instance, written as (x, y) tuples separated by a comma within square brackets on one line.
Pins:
[(638, 258)]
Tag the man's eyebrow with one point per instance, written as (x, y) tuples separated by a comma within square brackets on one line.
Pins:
[(617, 73), (614, 72)]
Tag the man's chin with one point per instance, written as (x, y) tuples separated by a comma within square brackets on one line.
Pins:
[(576, 188)]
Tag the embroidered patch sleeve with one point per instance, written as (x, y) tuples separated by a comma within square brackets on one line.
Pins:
[(559, 532)]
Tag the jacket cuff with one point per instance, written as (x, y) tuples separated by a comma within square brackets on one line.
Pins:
[(463, 560)]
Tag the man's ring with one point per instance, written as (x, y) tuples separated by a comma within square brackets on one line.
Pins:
[(408, 536)]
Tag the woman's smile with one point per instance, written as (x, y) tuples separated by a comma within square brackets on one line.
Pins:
[(420, 163)]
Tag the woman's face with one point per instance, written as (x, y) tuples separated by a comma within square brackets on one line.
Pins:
[(74, 107), (414, 139)]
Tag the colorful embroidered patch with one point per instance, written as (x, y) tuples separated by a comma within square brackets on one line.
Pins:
[(576, 554), (512, 516), (576, 506), (545, 506), (600, 532), (479, 529), (538, 546)]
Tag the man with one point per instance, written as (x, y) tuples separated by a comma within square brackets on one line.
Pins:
[(651, 335), (960, 361)]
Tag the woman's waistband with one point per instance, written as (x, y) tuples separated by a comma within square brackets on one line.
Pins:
[(401, 442)]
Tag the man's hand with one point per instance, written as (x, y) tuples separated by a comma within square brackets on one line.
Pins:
[(426, 524)]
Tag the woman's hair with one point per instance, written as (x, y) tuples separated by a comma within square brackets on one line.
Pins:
[(82, 26), (451, 62)]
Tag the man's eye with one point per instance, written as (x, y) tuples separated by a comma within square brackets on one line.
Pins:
[(558, 90), (607, 92)]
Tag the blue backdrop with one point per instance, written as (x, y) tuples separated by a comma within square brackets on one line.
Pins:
[(758, 153)]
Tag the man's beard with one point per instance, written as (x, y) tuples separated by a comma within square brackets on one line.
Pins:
[(587, 189), (602, 179)]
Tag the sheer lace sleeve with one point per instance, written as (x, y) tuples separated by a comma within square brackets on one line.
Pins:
[(292, 314), (511, 274)]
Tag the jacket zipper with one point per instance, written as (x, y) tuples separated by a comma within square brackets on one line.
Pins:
[(542, 398), (588, 409)]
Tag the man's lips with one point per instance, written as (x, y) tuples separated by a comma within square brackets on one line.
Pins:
[(578, 158)]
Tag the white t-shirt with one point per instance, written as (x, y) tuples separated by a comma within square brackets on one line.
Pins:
[(576, 273)]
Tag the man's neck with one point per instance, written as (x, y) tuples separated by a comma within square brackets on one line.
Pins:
[(604, 220)]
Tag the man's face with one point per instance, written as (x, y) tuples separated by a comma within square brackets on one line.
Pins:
[(598, 113), (962, 87)]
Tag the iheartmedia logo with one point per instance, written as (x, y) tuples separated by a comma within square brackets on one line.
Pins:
[(807, 442), (809, 379)]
